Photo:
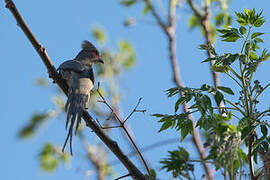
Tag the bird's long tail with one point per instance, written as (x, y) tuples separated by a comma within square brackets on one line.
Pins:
[(75, 105)]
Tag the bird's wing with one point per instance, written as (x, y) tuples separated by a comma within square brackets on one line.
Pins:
[(71, 65)]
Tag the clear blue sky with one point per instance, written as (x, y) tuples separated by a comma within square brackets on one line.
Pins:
[(61, 26)]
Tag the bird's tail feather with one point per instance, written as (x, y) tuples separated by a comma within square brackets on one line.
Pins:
[(75, 105)]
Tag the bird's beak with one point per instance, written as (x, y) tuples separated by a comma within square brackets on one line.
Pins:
[(100, 60)]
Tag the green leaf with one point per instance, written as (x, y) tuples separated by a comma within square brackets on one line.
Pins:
[(264, 130), (208, 59), (255, 154), (99, 35), (243, 155), (219, 19), (158, 115), (146, 9), (128, 2), (187, 128), (242, 30), (246, 131), (165, 125), (218, 97), (185, 98), (219, 68), (177, 163), (193, 22), (152, 173), (126, 55), (172, 91), (50, 157), (42, 82), (229, 35), (258, 40), (36, 121), (207, 88), (253, 56), (178, 102), (256, 34), (265, 145), (226, 89)]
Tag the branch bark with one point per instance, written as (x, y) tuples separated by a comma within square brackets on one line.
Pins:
[(204, 19), (250, 161), (112, 145), (99, 164)]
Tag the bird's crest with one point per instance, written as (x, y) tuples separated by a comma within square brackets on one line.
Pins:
[(86, 45)]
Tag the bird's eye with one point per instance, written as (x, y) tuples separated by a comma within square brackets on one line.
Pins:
[(96, 54)]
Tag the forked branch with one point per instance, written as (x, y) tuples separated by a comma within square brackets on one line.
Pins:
[(122, 125)]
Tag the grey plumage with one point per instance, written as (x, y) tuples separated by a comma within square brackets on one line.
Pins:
[(79, 76)]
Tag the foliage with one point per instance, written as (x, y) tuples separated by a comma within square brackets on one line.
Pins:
[(226, 137), (178, 163), (35, 121), (51, 156)]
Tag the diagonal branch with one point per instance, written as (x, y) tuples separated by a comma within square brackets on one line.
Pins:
[(122, 125), (112, 145), (99, 164)]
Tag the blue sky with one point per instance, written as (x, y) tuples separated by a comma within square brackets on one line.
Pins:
[(61, 26)]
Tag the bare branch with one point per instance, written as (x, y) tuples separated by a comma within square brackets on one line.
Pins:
[(198, 13), (123, 177), (122, 124), (112, 145), (155, 14), (150, 147), (110, 127), (134, 110)]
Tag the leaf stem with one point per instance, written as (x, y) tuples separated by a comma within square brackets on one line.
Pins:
[(236, 107)]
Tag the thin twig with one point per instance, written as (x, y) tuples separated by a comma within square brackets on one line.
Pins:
[(149, 147), (122, 124), (134, 110), (109, 127), (90, 122), (122, 177)]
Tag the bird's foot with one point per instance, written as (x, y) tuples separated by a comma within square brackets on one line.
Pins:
[(41, 48)]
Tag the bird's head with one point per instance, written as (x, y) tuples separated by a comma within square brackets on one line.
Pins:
[(89, 54)]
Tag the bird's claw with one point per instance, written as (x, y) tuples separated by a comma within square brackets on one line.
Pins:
[(42, 48)]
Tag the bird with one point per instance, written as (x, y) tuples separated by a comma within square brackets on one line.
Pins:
[(79, 76)]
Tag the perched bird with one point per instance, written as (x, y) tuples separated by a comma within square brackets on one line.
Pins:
[(79, 76)]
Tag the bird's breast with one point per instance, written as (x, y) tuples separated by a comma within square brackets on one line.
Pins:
[(85, 85)]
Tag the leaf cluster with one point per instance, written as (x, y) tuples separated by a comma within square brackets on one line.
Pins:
[(178, 163), (50, 157), (225, 138), (35, 121)]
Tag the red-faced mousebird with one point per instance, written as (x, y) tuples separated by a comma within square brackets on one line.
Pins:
[(80, 79)]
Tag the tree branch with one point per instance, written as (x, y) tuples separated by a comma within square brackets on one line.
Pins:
[(122, 124), (250, 162), (99, 164), (170, 32), (112, 145)]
